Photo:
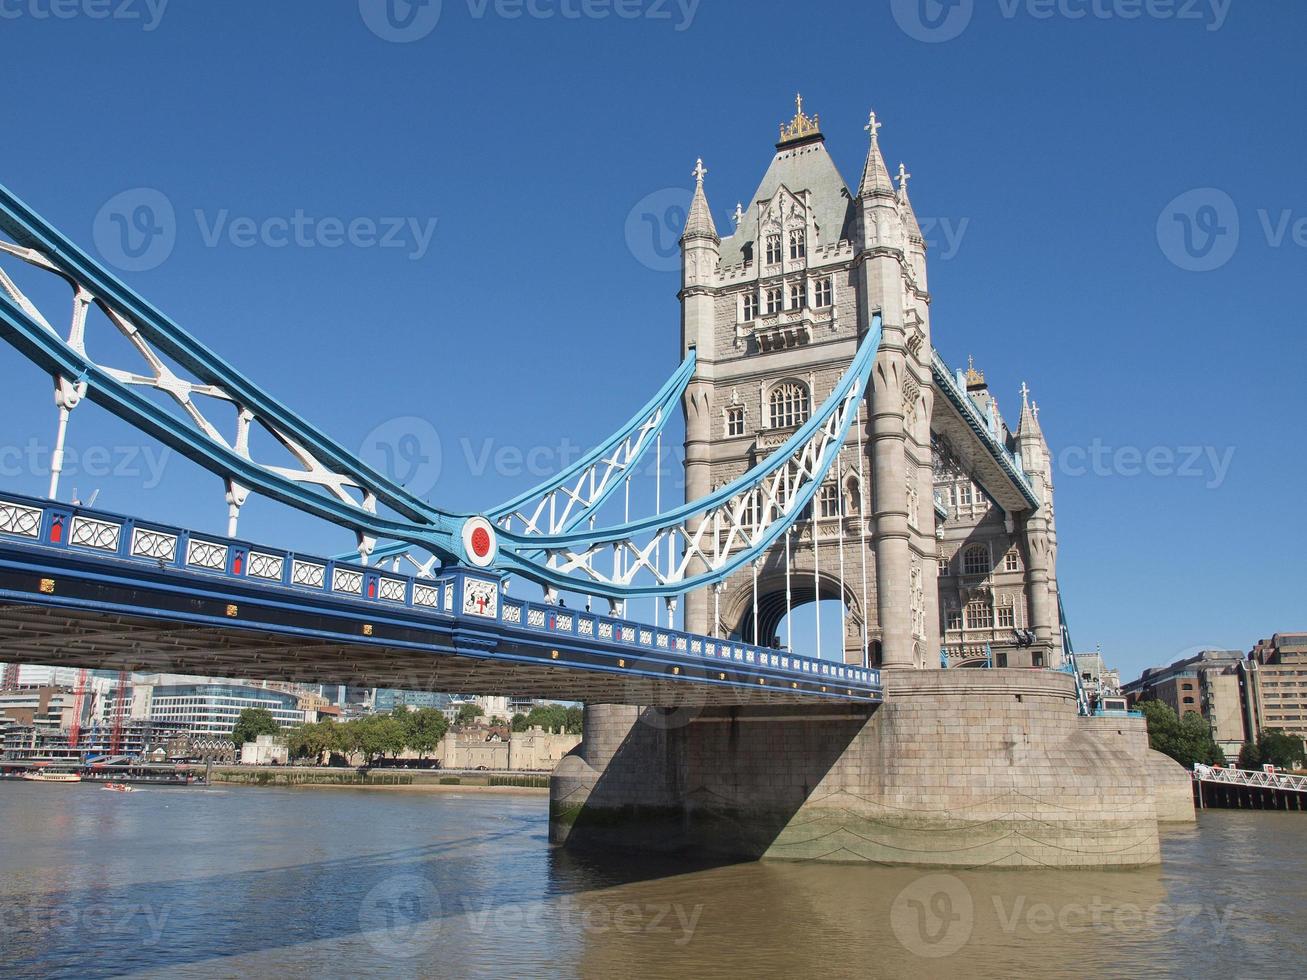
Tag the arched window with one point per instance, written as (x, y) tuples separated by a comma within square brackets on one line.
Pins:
[(789, 405), (853, 496), (975, 560)]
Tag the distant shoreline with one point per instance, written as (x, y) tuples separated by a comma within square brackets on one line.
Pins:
[(420, 788)]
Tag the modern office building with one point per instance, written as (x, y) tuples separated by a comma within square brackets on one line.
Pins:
[(388, 699), (212, 709)]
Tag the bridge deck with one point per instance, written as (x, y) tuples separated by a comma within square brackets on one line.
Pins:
[(90, 589)]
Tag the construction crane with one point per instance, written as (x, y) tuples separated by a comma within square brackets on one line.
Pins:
[(79, 700)]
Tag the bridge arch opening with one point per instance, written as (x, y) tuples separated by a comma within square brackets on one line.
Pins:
[(796, 614)]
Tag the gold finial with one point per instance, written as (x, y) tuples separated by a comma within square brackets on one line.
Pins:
[(801, 126), (975, 379)]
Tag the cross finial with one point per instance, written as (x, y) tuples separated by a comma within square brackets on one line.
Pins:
[(1025, 393), (798, 103), (739, 214), (1034, 407), (904, 177), (873, 126), (971, 363), (699, 171)]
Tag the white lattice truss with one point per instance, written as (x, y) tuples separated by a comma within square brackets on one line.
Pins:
[(159, 376), (560, 508), (1250, 778), (709, 541)]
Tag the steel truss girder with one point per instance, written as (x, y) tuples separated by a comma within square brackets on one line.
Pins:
[(565, 501), (705, 540), (352, 488)]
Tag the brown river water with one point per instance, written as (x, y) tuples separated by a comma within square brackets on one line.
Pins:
[(225, 882)]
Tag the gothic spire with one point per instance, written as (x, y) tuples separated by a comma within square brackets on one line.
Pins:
[(875, 176), (1029, 424), (910, 225), (699, 223)]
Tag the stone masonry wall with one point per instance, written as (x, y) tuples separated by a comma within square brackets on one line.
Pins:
[(958, 768)]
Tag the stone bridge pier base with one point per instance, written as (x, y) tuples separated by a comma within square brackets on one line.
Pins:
[(958, 768)]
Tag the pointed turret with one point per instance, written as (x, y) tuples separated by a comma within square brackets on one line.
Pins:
[(699, 223), (875, 177), (910, 225), (1029, 425)]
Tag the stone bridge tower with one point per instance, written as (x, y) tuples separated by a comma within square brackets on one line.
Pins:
[(776, 311)]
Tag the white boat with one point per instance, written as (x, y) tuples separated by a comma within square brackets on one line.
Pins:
[(52, 777)]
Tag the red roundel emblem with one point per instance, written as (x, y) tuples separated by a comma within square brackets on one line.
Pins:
[(480, 542)]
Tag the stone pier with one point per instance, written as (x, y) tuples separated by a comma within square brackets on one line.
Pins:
[(959, 768)]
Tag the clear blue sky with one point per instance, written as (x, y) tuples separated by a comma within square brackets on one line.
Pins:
[(1055, 145)]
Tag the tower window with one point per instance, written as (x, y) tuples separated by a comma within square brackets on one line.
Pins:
[(750, 306), (774, 300), (796, 297), (1006, 618), (1011, 563), (980, 615), (975, 560), (954, 619), (773, 249), (828, 500), (965, 495), (749, 512), (789, 405), (798, 244), (735, 420), (822, 296)]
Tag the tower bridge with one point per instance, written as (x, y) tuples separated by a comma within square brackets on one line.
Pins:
[(830, 453)]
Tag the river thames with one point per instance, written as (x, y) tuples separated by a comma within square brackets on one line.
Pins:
[(220, 882)]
